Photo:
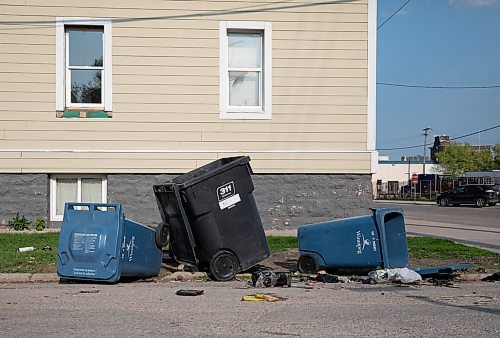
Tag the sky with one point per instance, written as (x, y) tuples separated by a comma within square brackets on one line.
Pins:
[(444, 43)]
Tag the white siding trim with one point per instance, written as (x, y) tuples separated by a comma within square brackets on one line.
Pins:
[(108, 67), (60, 64), (191, 151), (60, 55), (371, 136), (250, 113), (374, 162)]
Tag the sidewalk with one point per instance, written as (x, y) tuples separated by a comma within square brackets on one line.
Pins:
[(405, 202), (481, 237)]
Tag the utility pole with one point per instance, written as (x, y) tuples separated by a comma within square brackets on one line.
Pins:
[(426, 132)]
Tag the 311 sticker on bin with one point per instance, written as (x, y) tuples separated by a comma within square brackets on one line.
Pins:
[(227, 196)]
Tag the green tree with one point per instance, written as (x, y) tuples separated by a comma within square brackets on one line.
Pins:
[(496, 161), (484, 160), (458, 158)]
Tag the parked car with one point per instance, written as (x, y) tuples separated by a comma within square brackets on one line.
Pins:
[(480, 195)]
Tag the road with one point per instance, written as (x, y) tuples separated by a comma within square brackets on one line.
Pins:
[(466, 224), (331, 310)]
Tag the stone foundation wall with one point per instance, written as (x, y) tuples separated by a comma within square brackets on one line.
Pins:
[(26, 194), (284, 201)]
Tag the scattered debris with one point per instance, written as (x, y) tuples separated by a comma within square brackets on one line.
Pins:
[(327, 278), (183, 276), (269, 278), (189, 292), (262, 297), (492, 278), (443, 272), (26, 249), (89, 291), (399, 275), (47, 248), (442, 282)]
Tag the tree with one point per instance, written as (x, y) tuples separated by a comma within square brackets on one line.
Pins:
[(458, 158), (496, 161), (485, 160)]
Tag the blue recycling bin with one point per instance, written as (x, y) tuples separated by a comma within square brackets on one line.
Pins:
[(97, 243), (377, 241)]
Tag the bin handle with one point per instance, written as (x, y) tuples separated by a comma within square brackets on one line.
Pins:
[(92, 206)]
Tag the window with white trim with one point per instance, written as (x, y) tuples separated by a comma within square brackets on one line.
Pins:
[(245, 70), (73, 188), (83, 58)]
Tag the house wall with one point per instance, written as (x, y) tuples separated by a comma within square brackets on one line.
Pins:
[(165, 119), (166, 90)]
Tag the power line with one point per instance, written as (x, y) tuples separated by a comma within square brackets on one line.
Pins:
[(451, 139), (396, 12), (436, 87), (268, 7), (477, 132)]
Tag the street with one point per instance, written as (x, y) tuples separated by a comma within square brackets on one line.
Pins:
[(153, 309), (465, 224), (464, 215)]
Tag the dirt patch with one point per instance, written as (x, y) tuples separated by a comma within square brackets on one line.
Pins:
[(47, 268), (283, 260)]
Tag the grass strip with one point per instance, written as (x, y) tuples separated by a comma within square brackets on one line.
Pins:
[(282, 243), (40, 261), (437, 248)]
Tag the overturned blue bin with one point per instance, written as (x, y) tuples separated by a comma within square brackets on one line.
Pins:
[(97, 243), (377, 241)]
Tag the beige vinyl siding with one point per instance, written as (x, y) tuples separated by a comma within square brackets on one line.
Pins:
[(166, 89)]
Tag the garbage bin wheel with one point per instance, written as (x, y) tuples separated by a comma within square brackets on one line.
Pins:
[(223, 266), (308, 264), (162, 235)]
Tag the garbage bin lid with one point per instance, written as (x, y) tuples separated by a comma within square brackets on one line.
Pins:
[(209, 170)]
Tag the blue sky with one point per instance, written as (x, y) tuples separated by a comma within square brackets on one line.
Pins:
[(437, 43)]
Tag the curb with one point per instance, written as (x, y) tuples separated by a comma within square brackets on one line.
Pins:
[(29, 278), (404, 202)]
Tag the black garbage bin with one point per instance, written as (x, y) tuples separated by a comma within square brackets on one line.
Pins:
[(211, 219)]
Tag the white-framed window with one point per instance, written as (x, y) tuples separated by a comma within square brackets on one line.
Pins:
[(245, 70), (75, 188), (83, 64)]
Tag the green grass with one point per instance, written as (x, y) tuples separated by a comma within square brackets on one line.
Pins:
[(282, 243), (430, 247), (45, 261), (36, 261)]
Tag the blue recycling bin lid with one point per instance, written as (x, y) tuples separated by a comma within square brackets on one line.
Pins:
[(89, 242), (391, 227)]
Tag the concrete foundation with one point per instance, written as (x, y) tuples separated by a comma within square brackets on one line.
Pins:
[(284, 201), (26, 194)]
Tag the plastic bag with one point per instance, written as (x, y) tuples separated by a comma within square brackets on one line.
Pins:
[(402, 275)]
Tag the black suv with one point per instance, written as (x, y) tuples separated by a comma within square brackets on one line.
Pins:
[(480, 195)]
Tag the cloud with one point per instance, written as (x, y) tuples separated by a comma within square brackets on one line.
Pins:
[(474, 3)]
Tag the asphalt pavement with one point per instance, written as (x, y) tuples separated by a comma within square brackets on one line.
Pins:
[(37, 305), (333, 310)]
